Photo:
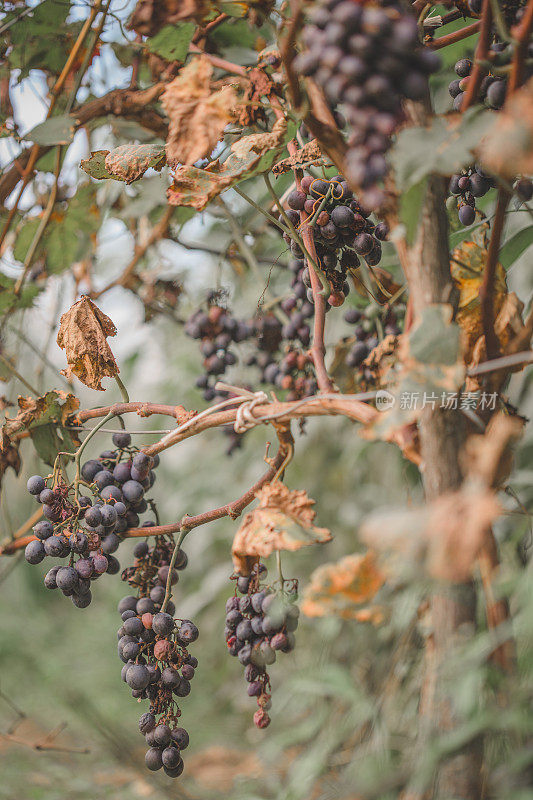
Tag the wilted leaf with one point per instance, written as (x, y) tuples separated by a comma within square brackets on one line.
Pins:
[(430, 365), (126, 163), (507, 146), (46, 420), (309, 156), (56, 130), (467, 267), (149, 16), (82, 335), (343, 588), (283, 520), (9, 457), (249, 156), (443, 538), (197, 115)]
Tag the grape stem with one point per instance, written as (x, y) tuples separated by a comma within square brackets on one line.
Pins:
[(168, 587)]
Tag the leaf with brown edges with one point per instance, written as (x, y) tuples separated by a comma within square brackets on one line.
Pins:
[(82, 335), (283, 520), (249, 156)]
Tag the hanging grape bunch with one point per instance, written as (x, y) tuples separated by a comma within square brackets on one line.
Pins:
[(259, 624), (154, 648), (371, 325), (343, 233), (367, 58), (474, 182), (86, 529), (217, 330)]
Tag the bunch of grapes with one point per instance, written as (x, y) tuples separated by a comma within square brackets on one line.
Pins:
[(343, 233), (370, 325), (217, 330), (471, 183), (84, 529), (474, 182), (259, 624), (154, 648), (367, 57)]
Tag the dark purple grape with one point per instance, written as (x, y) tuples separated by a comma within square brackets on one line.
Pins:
[(171, 757), (90, 469), (50, 578), (82, 600), (467, 215), (147, 722), (153, 759), (162, 735), (132, 491), (163, 624), (46, 497), (35, 485), (43, 530), (180, 737), (128, 603), (137, 677), (103, 478), (121, 440), (67, 578)]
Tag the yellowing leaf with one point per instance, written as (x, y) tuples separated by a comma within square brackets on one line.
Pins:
[(197, 115), (467, 267), (283, 520), (342, 588), (82, 335)]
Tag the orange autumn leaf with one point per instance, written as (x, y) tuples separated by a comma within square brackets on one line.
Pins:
[(283, 520), (343, 588)]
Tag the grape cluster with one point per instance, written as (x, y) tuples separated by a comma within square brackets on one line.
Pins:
[(474, 182), (154, 648), (217, 330), (343, 233), (367, 57), (467, 186), (84, 529), (260, 623), (370, 324)]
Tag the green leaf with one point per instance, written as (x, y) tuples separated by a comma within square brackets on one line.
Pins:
[(515, 246), (444, 147), (172, 42), (25, 238), (95, 165), (56, 130), (9, 301)]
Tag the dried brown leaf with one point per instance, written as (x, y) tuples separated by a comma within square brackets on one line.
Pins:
[(309, 156), (9, 457), (489, 457), (197, 114), (82, 335), (251, 109), (149, 16), (443, 538), (342, 588), (283, 520)]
